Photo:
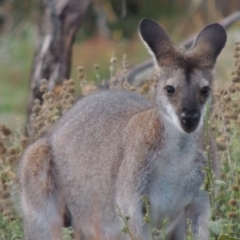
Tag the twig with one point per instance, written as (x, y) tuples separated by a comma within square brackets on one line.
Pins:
[(125, 223)]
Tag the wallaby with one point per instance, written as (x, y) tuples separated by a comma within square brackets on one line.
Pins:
[(113, 147)]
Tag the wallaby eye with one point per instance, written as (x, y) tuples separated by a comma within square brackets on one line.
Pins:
[(205, 91), (170, 90)]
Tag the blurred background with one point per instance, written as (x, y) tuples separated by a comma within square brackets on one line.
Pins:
[(108, 28)]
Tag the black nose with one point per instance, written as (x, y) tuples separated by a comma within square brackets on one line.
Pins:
[(190, 120)]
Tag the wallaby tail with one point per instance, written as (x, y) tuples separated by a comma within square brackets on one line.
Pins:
[(41, 203)]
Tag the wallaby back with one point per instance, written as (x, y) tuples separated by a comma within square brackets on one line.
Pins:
[(113, 147)]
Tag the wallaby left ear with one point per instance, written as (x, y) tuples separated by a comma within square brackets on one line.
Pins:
[(210, 42), (155, 38)]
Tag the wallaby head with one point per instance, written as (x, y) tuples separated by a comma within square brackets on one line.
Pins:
[(185, 78)]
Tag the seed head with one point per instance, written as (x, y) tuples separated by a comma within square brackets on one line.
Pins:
[(70, 82), (44, 82), (24, 141), (36, 108), (43, 88), (236, 55), (96, 66), (12, 150), (6, 131), (80, 69), (235, 188), (232, 214), (2, 148), (113, 60), (232, 202), (36, 101)]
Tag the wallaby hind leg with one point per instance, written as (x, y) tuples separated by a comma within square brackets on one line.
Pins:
[(42, 207)]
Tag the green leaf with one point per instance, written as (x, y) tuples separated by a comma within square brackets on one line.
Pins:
[(124, 229), (227, 237), (216, 227), (220, 182)]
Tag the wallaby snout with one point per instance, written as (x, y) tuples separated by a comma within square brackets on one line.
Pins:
[(190, 120)]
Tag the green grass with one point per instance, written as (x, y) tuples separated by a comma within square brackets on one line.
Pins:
[(16, 52)]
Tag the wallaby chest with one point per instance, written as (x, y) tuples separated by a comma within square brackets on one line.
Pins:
[(174, 178)]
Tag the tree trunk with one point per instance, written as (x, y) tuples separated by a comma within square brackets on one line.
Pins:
[(52, 61)]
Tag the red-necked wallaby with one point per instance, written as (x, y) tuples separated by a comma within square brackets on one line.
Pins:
[(113, 147)]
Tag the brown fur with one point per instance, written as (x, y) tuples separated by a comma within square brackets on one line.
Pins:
[(39, 187)]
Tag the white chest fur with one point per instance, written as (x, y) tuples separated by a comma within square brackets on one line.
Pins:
[(175, 178)]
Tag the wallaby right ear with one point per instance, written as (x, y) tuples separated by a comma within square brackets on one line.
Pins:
[(210, 42), (155, 38)]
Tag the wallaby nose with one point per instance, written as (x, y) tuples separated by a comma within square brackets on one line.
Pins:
[(190, 117), (190, 120)]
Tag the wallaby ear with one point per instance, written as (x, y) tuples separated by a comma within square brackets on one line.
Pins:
[(210, 42), (155, 37)]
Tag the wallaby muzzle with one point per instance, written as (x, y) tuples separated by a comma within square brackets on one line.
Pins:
[(189, 120)]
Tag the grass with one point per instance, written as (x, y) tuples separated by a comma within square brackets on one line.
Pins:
[(16, 56)]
